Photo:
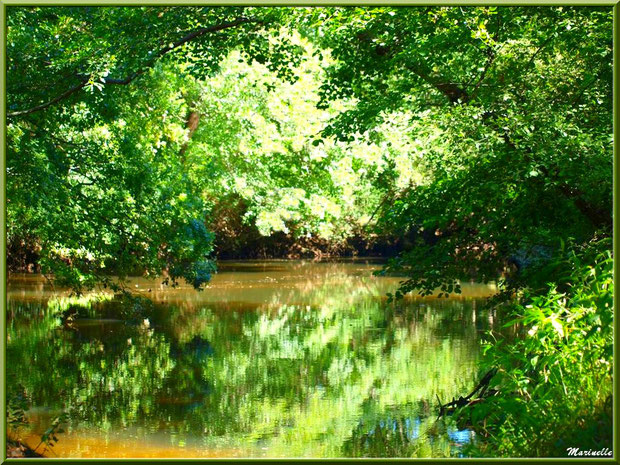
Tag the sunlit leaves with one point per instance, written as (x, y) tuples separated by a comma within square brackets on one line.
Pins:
[(565, 352)]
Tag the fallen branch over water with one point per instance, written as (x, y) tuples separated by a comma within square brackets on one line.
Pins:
[(482, 389)]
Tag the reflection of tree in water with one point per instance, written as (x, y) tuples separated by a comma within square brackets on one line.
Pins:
[(297, 379)]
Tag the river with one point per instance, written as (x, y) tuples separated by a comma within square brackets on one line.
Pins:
[(273, 359)]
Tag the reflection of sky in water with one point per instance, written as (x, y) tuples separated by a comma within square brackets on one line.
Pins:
[(412, 427), (460, 437), (413, 433)]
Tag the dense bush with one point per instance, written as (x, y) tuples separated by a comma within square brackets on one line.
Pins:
[(554, 379)]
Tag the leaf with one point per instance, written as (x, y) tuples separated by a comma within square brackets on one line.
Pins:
[(557, 326)]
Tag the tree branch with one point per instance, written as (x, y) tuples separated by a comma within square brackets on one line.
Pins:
[(490, 59), (43, 106), (598, 217), (193, 120), (450, 90), (84, 80)]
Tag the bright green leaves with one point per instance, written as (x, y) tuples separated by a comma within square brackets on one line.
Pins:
[(558, 364), (511, 129), (55, 52), (111, 193), (255, 143)]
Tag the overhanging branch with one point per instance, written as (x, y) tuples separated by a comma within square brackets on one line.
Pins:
[(452, 91), (43, 106), (112, 81)]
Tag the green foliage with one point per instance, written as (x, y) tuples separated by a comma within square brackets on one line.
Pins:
[(105, 193), (54, 50), (97, 132), (253, 149), (17, 405), (115, 177), (49, 438), (558, 367), (482, 135), (483, 132), (511, 113)]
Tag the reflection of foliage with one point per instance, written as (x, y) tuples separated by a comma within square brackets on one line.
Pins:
[(62, 304), (17, 420), (293, 378), (92, 368)]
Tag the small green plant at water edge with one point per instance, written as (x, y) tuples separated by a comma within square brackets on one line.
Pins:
[(125, 306), (555, 380)]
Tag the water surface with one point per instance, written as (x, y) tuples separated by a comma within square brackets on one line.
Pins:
[(273, 359)]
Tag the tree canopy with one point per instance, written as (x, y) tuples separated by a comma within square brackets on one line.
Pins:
[(97, 176), (511, 109), (483, 133), (148, 140)]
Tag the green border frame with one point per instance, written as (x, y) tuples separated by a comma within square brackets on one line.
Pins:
[(295, 3), (301, 3)]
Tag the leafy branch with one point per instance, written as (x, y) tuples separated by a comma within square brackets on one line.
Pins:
[(86, 80)]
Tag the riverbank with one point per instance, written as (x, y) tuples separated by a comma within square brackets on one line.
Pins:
[(18, 449)]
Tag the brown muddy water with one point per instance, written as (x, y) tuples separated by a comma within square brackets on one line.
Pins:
[(273, 359)]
